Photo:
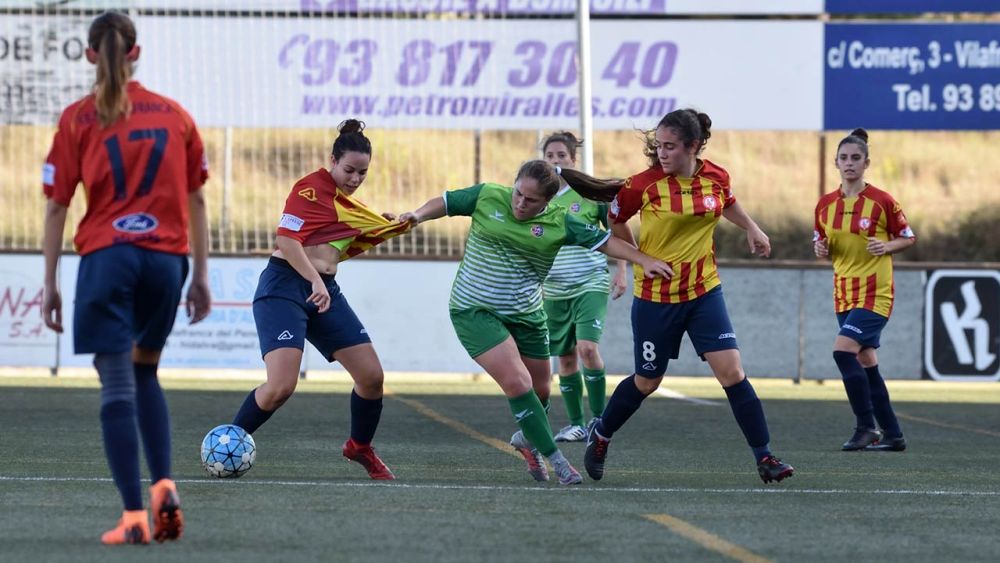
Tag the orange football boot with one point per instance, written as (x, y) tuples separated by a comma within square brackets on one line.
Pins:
[(168, 520), (133, 528)]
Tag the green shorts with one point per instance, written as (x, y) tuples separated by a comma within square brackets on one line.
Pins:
[(480, 330), (579, 318)]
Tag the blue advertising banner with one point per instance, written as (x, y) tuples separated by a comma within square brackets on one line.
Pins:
[(912, 76), (909, 6)]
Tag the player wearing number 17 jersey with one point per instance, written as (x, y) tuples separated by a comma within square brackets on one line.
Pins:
[(142, 165)]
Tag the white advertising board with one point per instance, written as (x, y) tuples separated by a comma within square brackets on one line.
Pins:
[(24, 338), (456, 74)]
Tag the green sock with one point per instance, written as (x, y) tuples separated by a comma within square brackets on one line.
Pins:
[(571, 387), (530, 416), (596, 389)]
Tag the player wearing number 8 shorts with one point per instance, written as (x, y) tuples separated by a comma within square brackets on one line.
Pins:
[(139, 156), (680, 200)]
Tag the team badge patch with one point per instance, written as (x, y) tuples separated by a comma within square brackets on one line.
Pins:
[(575, 208), (710, 202), (864, 222), (537, 230), (308, 193)]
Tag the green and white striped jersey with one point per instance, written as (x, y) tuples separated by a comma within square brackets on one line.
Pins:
[(505, 259), (578, 270)]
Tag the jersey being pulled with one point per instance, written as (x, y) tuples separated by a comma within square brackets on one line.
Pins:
[(137, 173), (677, 220), (317, 212), (506, 259), (860, 279), (578, 270)]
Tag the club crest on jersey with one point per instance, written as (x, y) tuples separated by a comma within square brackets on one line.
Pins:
[(135, 223), (710, 202), (308, 193), (537, 230), (575, 208), (864, 222)]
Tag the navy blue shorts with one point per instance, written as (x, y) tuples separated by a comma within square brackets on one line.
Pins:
[(285, 320), (125, 296), (862, 326), (657, 329)]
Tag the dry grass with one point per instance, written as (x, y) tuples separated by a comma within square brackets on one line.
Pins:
[(939, 177)]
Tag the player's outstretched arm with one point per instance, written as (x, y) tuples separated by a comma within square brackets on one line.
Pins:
[(433, 209), (616, 248)]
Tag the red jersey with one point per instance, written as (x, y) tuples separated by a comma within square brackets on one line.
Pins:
[(317, 212), (860, 279), (137, 173), (678, 218)]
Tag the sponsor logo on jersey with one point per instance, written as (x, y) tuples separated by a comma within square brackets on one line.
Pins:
[(308, 193), (285, 335), (135, 223), (498, 216), (864, 222), (575, 208), (291, 222), (537, 230), (49, 174), (727, 335), (853, 328)]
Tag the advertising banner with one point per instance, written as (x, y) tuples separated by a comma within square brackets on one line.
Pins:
[(912, 76), (962, 325), (909, 6), (24, 338)]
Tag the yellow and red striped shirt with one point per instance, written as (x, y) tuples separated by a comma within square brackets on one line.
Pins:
[(860, 279), (678, 218)]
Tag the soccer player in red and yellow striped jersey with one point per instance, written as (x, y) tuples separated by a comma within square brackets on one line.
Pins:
[(859, 226), (680, 200)]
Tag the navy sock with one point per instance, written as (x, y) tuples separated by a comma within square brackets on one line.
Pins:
[(621, 406), (749, 415), (365, 414), (154, 421), (884, 414), (250, 416), (857, 387), (121, 444)]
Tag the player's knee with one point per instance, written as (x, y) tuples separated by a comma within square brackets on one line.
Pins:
[(730, 376), (274, 394), (370, 380), (647, 385), (567, 363), (590, 353)]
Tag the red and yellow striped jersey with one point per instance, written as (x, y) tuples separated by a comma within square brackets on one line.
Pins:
[(860, 279), (677, 220)]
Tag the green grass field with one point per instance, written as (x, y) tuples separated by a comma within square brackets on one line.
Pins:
[(680, 482)]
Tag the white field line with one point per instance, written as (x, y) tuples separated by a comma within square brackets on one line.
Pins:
[(574, 490), (671, 394)]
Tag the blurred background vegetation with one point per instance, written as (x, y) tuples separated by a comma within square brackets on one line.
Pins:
[(947, 183)]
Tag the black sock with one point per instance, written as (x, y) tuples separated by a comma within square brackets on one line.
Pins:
[(250, 416), (884, 414), (365, 414), (121, 444), (749, 415), (856, 385), (621, 406), (154, 421)]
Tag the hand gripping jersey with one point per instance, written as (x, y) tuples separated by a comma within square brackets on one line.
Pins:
[(317, 212), (860, 280), (136, 173), (578, 270), (506, 259), (678, 218)]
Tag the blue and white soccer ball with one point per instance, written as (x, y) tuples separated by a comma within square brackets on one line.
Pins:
[(227, 451)]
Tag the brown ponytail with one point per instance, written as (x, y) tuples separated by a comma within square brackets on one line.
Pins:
[(596, 189), (112, 37)]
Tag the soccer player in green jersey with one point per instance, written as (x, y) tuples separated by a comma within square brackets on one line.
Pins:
[(496, 299), (576, 299)]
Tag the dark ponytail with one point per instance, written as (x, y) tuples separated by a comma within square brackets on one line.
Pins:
[(351, 139), (112, 36), (596, 189), (858, 137), (693, 127)]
